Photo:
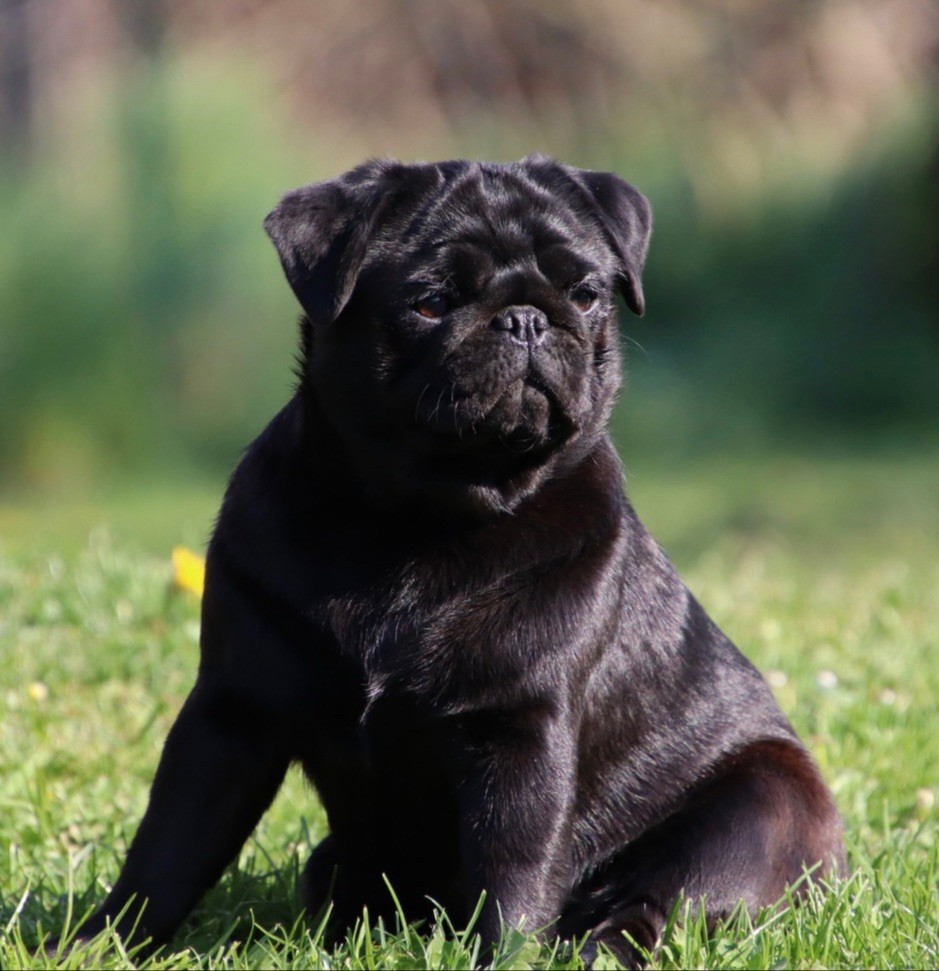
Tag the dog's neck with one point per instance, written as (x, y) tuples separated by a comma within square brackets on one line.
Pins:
[(337, 484)]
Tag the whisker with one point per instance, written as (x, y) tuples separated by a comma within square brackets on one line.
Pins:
[(420, 398), (636, 344)]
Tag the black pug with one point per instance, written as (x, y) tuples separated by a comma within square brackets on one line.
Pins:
[(427, 586)]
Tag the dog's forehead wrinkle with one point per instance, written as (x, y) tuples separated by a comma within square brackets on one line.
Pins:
[(563, 265), (505, 245), (495, 203), (456, 176)]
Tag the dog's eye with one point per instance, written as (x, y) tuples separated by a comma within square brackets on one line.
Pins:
[(584, 298), (436, 305)]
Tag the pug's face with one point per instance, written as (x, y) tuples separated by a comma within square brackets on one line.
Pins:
[(460, 332)]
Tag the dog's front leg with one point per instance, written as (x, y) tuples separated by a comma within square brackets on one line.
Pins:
[(515, 812), (221, 767)]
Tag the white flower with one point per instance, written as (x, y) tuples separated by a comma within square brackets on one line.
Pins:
[(826, 680)]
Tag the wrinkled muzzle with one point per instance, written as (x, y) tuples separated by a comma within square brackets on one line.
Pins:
[(500, 396)]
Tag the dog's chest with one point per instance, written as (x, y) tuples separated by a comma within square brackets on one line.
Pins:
[(396, 650), (427, 650), (388, 701)]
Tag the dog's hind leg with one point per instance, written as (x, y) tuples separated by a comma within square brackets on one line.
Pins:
[(745, 836)]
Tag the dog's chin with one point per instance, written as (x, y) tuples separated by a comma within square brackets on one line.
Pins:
[(476, 456), (490, 464)]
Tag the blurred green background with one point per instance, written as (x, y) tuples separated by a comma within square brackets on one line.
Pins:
[(790, 151)]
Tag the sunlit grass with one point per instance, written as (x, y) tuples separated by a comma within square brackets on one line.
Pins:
[(824, 571)]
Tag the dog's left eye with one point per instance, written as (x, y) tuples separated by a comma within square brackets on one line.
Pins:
[(584, 298), (436, 305)]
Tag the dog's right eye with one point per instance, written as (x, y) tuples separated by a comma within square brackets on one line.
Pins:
[(433, 306), (584, 298)]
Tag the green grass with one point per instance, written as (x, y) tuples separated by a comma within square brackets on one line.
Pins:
[(823, 568)]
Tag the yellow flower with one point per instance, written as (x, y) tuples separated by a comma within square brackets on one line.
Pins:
[(37, 691), (188, 570)]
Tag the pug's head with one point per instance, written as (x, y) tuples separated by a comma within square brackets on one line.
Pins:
[(460, 333)]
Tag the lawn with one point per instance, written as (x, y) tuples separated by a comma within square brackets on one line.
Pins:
[(822, 567)]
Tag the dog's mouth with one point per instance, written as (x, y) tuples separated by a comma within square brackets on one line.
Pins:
[(491, 440)]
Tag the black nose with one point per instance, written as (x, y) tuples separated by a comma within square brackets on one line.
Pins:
[(525, 325)]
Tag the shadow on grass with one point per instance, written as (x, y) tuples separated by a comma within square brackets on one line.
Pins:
[(242, 908)]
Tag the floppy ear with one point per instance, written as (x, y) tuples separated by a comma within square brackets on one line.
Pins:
[(321, 233), (627, 219)]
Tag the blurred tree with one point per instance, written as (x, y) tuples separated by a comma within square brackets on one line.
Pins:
[(145, 21), (16, 77), (415, 64), (163, 271), (765, 70)]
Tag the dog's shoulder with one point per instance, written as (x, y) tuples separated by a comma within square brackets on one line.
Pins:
[(259, 495), (258, 541)]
